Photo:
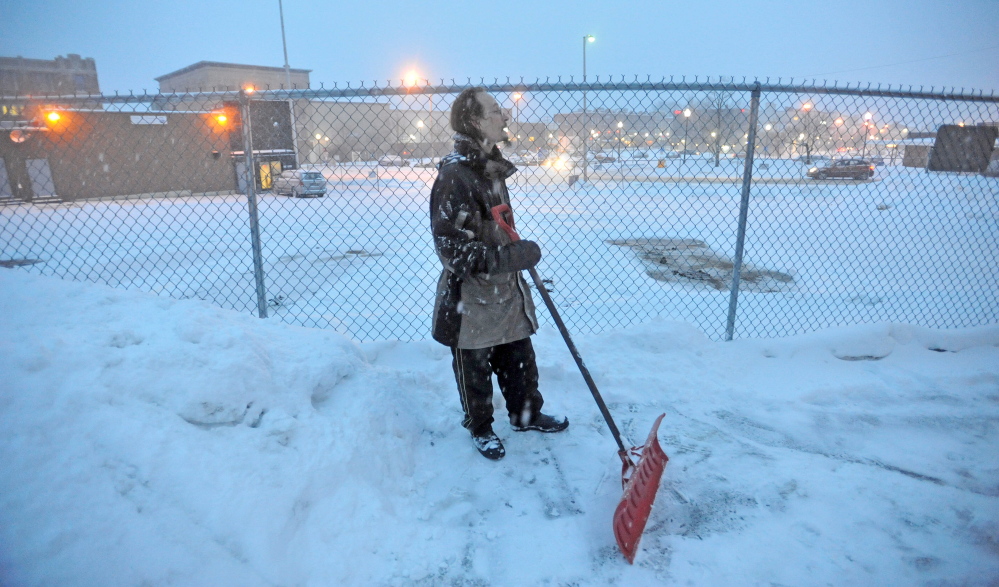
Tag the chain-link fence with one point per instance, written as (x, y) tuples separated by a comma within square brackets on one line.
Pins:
[(745, 208)]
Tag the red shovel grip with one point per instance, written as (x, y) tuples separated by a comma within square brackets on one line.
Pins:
[(503, 215)]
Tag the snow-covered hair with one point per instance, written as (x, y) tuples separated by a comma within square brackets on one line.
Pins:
[(467, 111)]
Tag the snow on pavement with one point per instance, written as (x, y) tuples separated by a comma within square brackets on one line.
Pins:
[(151, 441)]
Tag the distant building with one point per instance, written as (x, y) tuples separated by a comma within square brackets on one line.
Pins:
[(61, 76), (210, 76), (86, 153)]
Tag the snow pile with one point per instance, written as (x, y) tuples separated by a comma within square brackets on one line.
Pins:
[(165, 442)]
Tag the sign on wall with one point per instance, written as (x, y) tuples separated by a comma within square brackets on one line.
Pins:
[(146, 119)]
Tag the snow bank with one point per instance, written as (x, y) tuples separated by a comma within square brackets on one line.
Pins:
[(164, 442)]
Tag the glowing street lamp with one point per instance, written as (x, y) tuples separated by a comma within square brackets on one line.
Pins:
[(516, 108), (411, 78), (686, 126), (867, 124), (620, 125)]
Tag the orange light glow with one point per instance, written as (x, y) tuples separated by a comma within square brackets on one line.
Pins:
[(517, 96), (806, 106), (412, 78), (249, 89), (53, 117), (839, 122), (222, 118)]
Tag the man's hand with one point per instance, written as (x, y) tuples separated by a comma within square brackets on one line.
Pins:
[(516, 256)]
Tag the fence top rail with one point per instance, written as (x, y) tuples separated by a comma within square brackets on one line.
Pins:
[(399, 88)]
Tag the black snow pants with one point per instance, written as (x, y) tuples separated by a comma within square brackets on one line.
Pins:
[(517, 374)]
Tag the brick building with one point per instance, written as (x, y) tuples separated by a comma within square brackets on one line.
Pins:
[(208, 76), (61, 76), (70, 154)]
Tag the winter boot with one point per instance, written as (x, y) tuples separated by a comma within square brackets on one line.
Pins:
[(543, 423), (489, 445)]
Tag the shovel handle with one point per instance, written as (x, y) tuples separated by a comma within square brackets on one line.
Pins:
[(503, 216)]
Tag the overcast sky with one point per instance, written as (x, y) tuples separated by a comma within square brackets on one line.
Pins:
[(910, 42)]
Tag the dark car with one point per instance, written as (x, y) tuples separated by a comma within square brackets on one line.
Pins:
[(849, 168)]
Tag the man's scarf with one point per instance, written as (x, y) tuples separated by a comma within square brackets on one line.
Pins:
[(467, 152)]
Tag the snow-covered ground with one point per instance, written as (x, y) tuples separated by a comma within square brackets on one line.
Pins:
[(908, 247), (154, 441)]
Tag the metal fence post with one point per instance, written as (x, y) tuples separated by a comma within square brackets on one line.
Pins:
[(251, 200), (740, 239)]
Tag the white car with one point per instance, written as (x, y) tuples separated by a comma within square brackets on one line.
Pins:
[(300, 184)]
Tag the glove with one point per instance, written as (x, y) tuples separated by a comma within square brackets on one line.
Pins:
[(516, 256)]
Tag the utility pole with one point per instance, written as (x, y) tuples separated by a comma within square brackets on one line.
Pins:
[(584, 134), (284, 44), (287, 79)]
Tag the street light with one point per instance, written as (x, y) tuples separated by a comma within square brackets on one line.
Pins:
[(867, 122), (284, 45), (686, 125), (620, 125), (516, 108), (806, 119), (586, 121), (411, 79)]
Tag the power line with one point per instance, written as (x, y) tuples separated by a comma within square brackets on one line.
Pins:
[(905, 62)]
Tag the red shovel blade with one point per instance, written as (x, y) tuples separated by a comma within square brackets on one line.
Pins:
[(639, 492)]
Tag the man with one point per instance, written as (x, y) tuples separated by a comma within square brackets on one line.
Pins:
[(483, 309)]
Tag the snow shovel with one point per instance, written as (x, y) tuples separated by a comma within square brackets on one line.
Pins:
[(640, 481)]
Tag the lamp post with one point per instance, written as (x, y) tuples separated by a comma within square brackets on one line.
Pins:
[(620, 125), (287, 69), (586, 123), (420, 139), (516, 111), (287, 79), (412, 79), (867, 122), (686, 120), (806, 109)]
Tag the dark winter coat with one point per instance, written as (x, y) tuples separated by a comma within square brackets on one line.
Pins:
[(482, 298)]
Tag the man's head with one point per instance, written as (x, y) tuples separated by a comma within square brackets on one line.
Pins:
[(477, 114)]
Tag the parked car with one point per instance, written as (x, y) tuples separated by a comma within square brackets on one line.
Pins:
[(877, 160), (393, 161), (524, 159), (300, 184), (852, 168), (600, 157)]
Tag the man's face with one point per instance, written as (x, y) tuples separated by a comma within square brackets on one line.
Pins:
[(493, 123)]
